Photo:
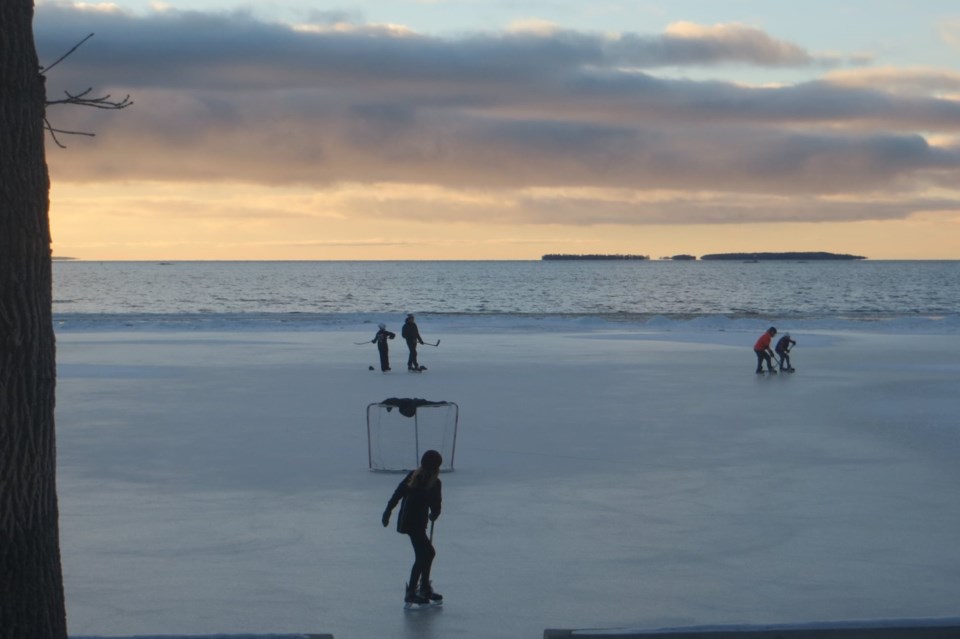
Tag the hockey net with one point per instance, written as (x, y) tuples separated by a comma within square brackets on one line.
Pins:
[(399, 431)]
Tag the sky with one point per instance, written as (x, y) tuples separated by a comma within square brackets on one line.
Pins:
[(487, 129)]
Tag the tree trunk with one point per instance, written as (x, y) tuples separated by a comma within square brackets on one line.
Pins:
[(31, 581)]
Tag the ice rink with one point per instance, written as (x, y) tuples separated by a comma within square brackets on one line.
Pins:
[(216, 482)]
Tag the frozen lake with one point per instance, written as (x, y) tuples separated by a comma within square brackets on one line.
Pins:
[(215, 482)]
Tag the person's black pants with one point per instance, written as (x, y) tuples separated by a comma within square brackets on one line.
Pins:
[(763, 356), (424, 553), (384, 358), (412, 359), (784, 360)]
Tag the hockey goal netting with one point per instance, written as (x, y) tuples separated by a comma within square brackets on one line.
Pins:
[(399, 431)]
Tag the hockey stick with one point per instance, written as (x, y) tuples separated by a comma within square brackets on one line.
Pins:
[(431, 530), (429, 344), (362, 343)]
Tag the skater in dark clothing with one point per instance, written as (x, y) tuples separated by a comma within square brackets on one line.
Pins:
[(419, 496), (380, 339), (784, 344), (763, 352), (411, 334)]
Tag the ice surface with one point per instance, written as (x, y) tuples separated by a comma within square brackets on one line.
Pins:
[(215, 482)]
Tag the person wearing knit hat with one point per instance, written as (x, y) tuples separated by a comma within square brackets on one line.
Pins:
[(380, 339), (763, 351), (431, 460), (420, 497), (783, 352), (411, 334)]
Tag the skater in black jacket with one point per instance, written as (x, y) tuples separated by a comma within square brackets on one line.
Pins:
[(411, 334), (380, 339), (419, 495), (783, 350)]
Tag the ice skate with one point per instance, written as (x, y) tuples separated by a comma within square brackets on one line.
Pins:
[(427, 592), (413, 600)]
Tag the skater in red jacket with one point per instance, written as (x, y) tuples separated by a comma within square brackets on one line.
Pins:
[(763, 352)]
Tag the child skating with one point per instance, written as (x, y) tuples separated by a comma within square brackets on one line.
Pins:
[(783, 352), (419, 496), (380, 339)]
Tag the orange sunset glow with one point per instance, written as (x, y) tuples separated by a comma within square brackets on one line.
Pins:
[(346, 138)]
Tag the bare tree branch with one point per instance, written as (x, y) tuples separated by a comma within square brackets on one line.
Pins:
[(53, 133), (80, 99), (66, 55), (103, 102)]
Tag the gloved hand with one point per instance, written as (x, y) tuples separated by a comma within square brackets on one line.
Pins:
[(434, 516), (385, 520)]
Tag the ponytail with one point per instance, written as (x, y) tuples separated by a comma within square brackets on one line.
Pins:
[(423, 477)]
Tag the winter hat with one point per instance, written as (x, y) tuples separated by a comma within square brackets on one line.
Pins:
[(431, 460), (382, 326)]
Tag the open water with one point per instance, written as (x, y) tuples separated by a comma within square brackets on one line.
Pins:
[(898, 296)]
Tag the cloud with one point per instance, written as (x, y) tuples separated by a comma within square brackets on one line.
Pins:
[(223, 97), (905, 81), (687, 42), (950, 32), (566, 206), (192, 49)]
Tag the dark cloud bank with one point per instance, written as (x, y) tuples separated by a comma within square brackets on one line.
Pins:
[(223, 97)]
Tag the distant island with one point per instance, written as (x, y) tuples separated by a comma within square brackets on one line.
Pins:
[(795, 256), (567, 256)]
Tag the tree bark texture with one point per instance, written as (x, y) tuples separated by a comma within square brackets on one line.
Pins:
[(31, 580)]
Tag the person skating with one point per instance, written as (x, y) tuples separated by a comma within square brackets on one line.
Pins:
[(763, 352), (419, 496), (380, 339), (784, 344), (411, 334)]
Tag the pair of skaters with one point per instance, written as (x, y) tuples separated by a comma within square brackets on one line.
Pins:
[(410, 333), (764, 354)]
